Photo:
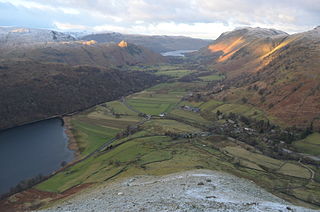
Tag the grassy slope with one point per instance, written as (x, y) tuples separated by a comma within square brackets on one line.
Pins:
[(212, 77), (309, 145)]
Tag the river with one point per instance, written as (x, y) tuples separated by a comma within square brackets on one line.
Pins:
[(30, 150)]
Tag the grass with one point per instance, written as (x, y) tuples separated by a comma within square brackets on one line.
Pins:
[(97, 125), (210, 105), (309, 145), (192, 104), (294, 170), (213, 106), (178, 86), (213, 77), (90, 137), (155, 102), (156, 67), (120, 108), (189, 116), (175, 73), (163, 125), (96, 169), (150, 152), (151, 107), (258, 159)]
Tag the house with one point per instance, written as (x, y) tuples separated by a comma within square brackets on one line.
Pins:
[(162, 114), (191, 109)]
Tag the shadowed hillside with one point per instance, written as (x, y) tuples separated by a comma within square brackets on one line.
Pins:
[(83, 53), (32, 91)]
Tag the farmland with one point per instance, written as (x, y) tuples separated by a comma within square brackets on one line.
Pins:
[(309, 145), (212, 77), (117, 140)]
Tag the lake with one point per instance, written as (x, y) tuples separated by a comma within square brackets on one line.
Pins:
[(177, 53), (30, 150)]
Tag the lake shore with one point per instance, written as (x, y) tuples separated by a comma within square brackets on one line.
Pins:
[(72, 142)]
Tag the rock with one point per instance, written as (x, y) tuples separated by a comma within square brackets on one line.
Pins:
[(123, 44), (209, 197), (201, 183), (120, 193)]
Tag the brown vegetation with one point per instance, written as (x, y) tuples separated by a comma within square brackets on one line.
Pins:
[(276, 72), (32, 91)]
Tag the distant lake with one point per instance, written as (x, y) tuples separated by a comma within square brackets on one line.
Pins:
[(30, 150), (178, 53)]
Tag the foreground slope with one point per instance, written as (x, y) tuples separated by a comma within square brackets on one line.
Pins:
[(125, 138), (277, 72), (196, 190)]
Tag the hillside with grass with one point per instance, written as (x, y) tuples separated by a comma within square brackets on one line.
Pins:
[(129, 137), (271, 70), (229, 108)]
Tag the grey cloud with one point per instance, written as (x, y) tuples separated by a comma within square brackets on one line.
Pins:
[(287, 15)]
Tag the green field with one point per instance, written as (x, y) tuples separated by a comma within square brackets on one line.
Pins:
[(309, 145), (91, 136), (161, 126), (213, 77), (149, 151), (189, 116), (212, 106), (175, 73), (120, 108), (97, 169), (155, 101)]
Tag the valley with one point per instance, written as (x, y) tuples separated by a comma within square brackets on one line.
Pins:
[(246, 105), (171, 127)]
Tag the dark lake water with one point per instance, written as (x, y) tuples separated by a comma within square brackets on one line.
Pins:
[(178, 53), (30, 150)]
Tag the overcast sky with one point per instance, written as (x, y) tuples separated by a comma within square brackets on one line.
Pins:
[(195, 18)]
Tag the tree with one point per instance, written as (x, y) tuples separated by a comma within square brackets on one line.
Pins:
[(244, 100)]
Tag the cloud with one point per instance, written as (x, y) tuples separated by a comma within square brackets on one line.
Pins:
[(198, 18), (199, 30), (69, 27)]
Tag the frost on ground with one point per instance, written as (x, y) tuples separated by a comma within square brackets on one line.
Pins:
[(197, 190)]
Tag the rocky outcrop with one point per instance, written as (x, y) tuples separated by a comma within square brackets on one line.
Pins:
[(198, 190)]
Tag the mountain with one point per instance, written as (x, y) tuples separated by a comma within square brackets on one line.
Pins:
[(241, 45), (53, 75), (156, 43), (31, 90), (83, 53), (14, 36), (274, 71)]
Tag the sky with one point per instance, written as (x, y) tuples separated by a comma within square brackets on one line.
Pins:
[(195, 18)]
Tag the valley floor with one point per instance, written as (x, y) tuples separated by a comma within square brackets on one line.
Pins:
[(194, 190), (157, 132)]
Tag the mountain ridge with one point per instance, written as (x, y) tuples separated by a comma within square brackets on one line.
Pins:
[(284, 69)]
